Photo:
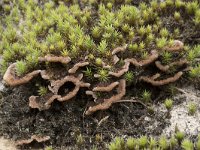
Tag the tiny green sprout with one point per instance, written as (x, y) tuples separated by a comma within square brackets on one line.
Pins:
[(179, 3), (79, 140), (152, 143), (187, 144), (113, 146), (179, 136), (88, 73), (10, 34), (133, 47), (102, 47), (154, 4), (129, 76), (196, 49), (144, 55), (192, 108), (169, 2), (131, 143), (198, 143), (98, 61), (21, 68), (177, 16), (109, 6), (164, 32), (146, 95), (91, 57), (141, 46), (126, 28), (7, 8), (176, 32), (163, 143), (103, 75), (121, 62), (131, 34), (197, 17), (191, 55), (161, 42), (150, 37), (48, 148), (116, 23), (195, 72), (98, 138), (142, 31), (143, 6), (42, 90), (168, 104), (173, 142), (192, 7), (151, 110), (96, 32), (60, 45), (170, 42), (149, 29), (142, 142), (163, 5), (117, 144), (141, 21), (166, 57), (65, 53), (155, 28)]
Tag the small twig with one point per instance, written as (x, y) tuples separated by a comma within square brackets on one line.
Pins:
[(131, 100), (103, 120), (188, 94)]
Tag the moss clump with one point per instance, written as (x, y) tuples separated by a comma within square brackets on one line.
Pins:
[(96, 32), (153, 144)]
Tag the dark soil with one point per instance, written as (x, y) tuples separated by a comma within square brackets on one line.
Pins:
[(64, 122)]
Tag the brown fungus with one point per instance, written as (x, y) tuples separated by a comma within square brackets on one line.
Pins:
[(36, 101), (93, 94), (107, 88), (115, 59), (161, 67), (123, 70), (56, 85), (166, 68), (13, 80), (154, 55), (77, 66), (119, 49), (45, 75), (152, 81), (51, 58), (177, 46), (121, 91)]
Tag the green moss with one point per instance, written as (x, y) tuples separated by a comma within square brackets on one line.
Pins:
[(187, 145), (146, 96), (168, 104), (21, 68), (161, 143), (192, 108), (89, 31)]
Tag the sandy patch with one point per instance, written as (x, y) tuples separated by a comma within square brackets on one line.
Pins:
[(7, 144)]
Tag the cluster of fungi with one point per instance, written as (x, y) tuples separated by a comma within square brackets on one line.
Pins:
[(71, 72)]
